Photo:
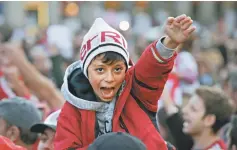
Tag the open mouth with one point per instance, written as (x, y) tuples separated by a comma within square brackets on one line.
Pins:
[(186, 123), (107, 92)]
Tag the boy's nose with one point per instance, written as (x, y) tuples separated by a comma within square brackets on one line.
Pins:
[(109, 77)]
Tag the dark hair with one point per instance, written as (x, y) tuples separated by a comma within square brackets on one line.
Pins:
[(162, 117), (216, 103), (110, 57)]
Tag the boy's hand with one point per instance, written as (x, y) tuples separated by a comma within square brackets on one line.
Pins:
[(177, 30)]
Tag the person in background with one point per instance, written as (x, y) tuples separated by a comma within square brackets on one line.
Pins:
[(204, 115), (17, 115), (186, 69), (48, 61), (42, 87), (47, 131), (208, 110)]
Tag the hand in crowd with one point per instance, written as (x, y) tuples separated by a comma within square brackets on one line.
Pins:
[(35, 81), (13, 54)]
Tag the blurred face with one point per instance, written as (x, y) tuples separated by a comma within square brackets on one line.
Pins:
[(106, 79), (193, 115), (46, 140), (42, 63)]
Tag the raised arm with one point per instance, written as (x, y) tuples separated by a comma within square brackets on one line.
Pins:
[(40, 85), (152, 69)]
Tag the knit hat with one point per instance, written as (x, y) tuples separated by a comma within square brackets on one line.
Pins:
[(19, 112), (117, 141), (50, 122), (99, 39)]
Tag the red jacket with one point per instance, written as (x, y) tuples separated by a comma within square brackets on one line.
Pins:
[(7, 144), (134, 111)]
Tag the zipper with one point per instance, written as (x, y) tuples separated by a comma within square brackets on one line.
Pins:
[(122, 124)]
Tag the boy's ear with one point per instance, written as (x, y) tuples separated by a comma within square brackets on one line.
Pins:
[(209, 120)]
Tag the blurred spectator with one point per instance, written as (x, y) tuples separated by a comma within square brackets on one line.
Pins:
[(204, 115), (205, 72), (40, 85), (49, 62), (41, 60), (11, 83), (17, 115), (47, 131), (186, 69), (142, 21)]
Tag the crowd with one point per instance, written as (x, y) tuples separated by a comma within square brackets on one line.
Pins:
[(179, 92)]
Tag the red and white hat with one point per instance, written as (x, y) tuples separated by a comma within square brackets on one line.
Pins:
[(99, 39)]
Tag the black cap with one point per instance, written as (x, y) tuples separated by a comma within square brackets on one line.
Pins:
[(117, 141)]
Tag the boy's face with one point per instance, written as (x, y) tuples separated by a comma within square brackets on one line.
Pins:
[(106, 79), (193, 115)]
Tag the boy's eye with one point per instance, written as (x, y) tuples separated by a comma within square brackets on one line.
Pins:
[(118, 69), (99, 69)]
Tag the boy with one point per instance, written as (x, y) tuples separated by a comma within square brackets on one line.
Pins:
[(205, 114), (104, 94)]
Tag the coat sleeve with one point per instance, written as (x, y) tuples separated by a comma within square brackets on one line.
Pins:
[(68, 132), (151, 73)]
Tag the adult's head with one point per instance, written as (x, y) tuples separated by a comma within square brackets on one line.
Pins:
[(17, 115), (208, 110), (40, 59)]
